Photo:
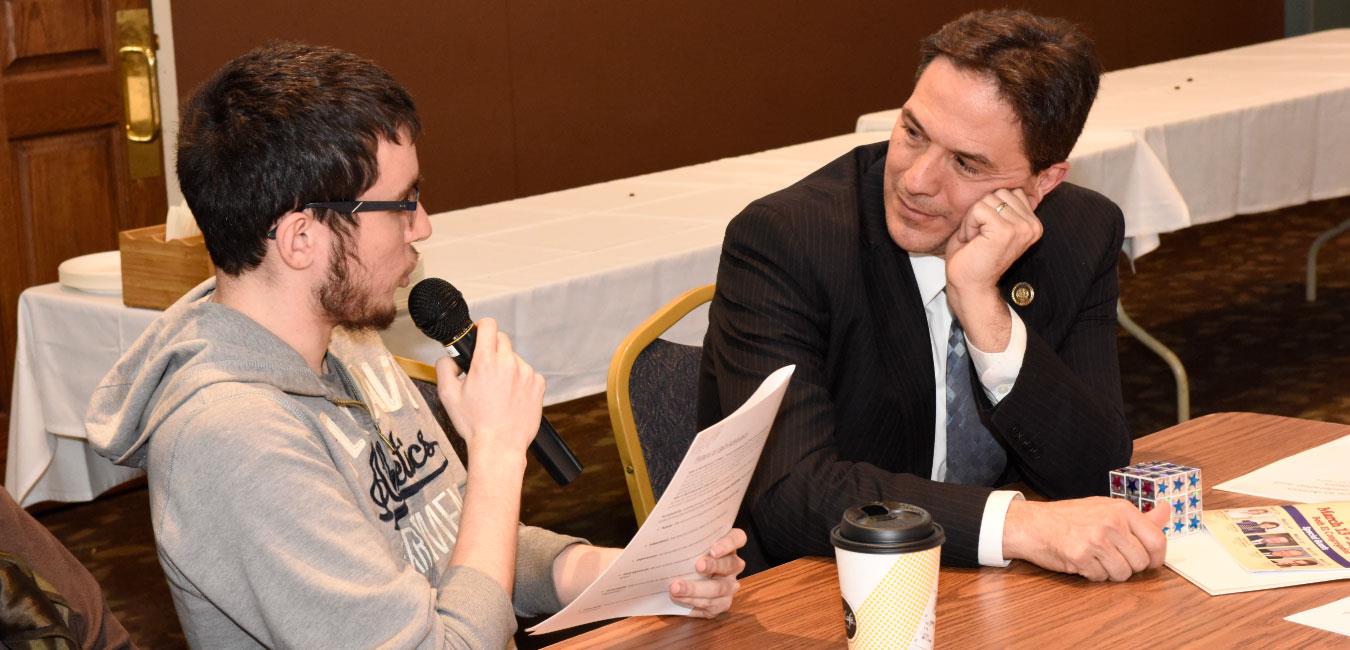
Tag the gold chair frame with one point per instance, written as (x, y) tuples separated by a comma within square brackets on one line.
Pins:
[(416, 369), (620, 401)]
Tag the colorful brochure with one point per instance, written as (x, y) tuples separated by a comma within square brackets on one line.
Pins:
[(1300, 537)]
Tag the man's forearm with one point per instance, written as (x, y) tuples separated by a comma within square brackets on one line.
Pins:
[(487, 527), (578, 566), (983, 315)]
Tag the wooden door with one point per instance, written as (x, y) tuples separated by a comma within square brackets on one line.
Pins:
[(68, 186)]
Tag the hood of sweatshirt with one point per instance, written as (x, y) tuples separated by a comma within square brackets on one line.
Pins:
[(196, 343)]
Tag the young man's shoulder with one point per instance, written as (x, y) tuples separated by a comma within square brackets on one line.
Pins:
[(235, 420)]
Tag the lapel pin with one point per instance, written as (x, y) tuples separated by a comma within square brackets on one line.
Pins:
[(1022, 294)]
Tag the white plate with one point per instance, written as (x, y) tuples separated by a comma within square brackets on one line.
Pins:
[(95, 273)]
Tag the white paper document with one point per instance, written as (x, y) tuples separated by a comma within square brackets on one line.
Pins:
[(1332, 617), (1314, 476), (698, 507), (1201, 559)]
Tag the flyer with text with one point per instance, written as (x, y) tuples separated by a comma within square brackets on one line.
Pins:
[(1300, 537), (698, 506)]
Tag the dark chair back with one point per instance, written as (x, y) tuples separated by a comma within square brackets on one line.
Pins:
[(653, 401), (663, 391)]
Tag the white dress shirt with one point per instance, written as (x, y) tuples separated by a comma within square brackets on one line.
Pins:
[(997, 372)]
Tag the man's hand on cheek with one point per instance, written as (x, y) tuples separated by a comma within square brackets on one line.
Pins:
[(996, 230)]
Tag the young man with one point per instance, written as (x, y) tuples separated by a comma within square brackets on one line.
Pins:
[(302, 495), (950, 307)]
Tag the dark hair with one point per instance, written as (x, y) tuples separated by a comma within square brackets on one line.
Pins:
[(1046, 69), (284, 125)]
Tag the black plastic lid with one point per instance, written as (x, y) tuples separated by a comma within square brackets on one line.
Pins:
[(887, 527)]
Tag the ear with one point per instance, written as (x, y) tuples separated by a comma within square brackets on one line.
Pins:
[(1048, 179), (301, 240)]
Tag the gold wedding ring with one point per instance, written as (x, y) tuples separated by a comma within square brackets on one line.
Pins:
[(999, 207)]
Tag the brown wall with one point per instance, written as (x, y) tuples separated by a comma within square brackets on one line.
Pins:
[(523, 97)]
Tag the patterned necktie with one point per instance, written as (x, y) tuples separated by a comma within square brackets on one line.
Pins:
[(974, 457)]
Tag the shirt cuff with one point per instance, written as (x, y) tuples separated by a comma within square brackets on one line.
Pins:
[(998, 370), (991, 527)]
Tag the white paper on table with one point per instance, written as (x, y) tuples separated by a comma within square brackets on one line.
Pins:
[(698, 507), (1201, 559), (1332, 617), (1312, 476)]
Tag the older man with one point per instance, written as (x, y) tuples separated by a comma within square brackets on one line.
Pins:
[(950, 305)]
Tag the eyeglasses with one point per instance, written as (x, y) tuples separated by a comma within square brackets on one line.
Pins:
[(352, 207)]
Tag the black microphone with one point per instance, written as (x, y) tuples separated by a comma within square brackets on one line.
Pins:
[(438, 309)]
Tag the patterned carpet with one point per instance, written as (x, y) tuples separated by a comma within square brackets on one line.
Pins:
[(1227, 298)]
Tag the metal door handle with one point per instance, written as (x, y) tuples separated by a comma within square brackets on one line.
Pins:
[(141, 79)]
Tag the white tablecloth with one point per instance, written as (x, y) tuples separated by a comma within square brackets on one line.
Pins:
[(1245, 130), (1239, 131), (67, 341)]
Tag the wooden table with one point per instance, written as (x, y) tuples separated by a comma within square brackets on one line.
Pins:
[(797, 605)]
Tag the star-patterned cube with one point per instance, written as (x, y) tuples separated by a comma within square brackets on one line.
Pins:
[(1157, 484)]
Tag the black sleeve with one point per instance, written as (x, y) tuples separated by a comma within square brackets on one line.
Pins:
[(771, 311), (1064, 420)]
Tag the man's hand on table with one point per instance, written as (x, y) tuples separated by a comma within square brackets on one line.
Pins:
[(711, 594), (1097, 538)]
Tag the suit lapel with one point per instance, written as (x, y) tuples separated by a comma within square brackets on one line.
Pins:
[(897, 310)]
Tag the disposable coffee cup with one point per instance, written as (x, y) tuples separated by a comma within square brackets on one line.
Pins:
[(887, 554)]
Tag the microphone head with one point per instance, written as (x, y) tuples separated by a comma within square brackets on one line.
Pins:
[(439, 310)]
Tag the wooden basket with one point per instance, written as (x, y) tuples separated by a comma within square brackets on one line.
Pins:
[(156, 273)]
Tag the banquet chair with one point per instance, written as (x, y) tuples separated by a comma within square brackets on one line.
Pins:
[(424, 378), (653, 401)]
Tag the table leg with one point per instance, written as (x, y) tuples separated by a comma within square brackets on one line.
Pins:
[(1317, 245), (1173, 362)]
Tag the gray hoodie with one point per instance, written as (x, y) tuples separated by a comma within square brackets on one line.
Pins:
[(297, 510)]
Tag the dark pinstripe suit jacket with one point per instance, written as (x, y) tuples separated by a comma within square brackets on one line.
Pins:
[(810, 276)]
